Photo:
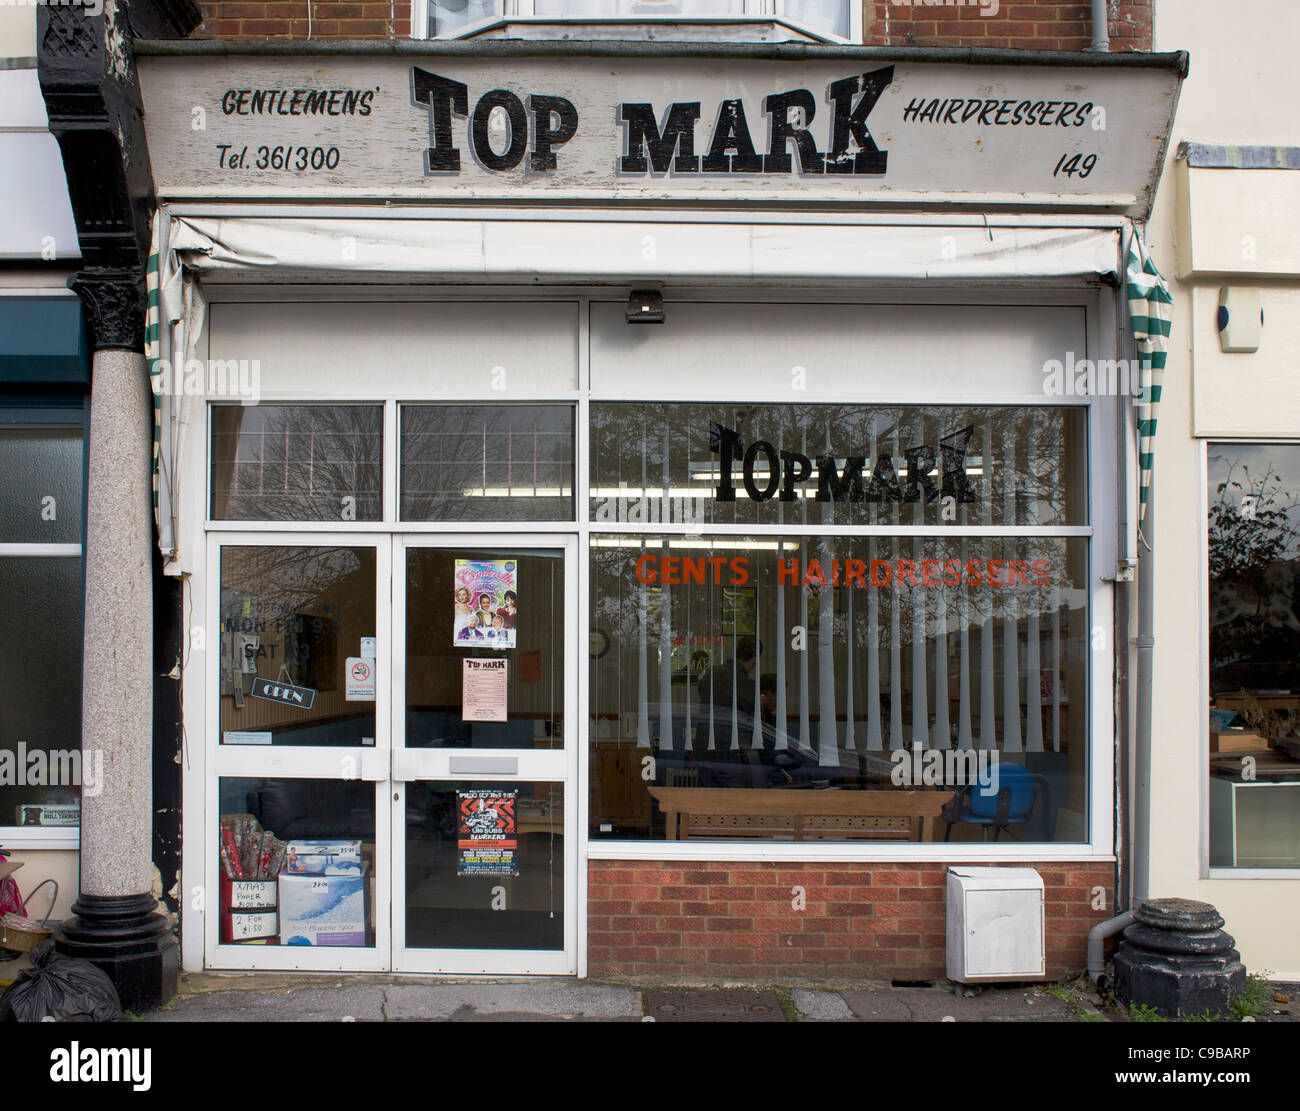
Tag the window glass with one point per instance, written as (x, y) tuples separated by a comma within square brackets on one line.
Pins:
[(272, 895), (800, 465), (293, 622), (812, 688), (487, 462), (504, 607), (448, 17), (40, 501), (1254, 598), (297, 462), (830, 16), (41, 763), (594, 9)]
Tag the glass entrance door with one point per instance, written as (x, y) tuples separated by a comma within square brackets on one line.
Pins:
[(484, 757)]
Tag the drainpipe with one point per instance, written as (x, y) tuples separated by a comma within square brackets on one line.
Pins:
[(1100, 28), (1139, 845)]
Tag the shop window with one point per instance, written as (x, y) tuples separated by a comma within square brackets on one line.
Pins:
[(802, 682), (1254, 626), (297, 462), (487, 463), (42, 769)]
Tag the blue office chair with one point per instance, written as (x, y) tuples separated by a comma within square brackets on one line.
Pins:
[(1012, 804)]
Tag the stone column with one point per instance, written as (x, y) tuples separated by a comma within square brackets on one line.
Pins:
[(116, 924)]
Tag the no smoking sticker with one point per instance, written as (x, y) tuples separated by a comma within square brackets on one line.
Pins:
[(360, 674)]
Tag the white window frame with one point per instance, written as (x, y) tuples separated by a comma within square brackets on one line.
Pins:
[(522, 11), (1203, 664)]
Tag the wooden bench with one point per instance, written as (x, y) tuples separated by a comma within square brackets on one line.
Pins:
[(799, 815)]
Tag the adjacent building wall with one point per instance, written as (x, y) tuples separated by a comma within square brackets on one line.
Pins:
[(1240, 91)]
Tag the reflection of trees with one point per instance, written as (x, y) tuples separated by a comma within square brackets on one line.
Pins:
[(297, 462), (289, 580), (1254, 569), (448, 450)]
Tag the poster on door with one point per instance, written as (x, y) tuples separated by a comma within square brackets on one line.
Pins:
[(486, 839), (487, 603)]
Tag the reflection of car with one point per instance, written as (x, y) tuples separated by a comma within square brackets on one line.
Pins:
[(693, 764)]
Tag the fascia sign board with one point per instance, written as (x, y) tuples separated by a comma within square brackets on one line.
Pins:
[(656, 129)]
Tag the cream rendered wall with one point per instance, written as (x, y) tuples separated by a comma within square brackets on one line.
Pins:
[(17, 30), (60, 865), (1240, 91)]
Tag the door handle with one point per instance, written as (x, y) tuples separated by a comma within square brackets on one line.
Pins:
[(484, 765)]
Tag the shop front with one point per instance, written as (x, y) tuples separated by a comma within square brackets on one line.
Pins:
[(621, 538)]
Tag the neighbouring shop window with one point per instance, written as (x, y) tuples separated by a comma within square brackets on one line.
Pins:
[(812, 684), (298, 650), (1254, 600), (297, 462), (42, 768), (487, 463)]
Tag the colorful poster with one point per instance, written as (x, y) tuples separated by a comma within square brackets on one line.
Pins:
[(487, 603), (486, 839), (483, 690)]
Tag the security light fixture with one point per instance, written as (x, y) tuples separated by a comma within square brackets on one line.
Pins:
[(645, 306)]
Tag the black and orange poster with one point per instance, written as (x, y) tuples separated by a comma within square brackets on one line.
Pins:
[(486, 838)]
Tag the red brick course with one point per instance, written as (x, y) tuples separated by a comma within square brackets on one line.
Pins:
[(859, 921), (1048, 25)]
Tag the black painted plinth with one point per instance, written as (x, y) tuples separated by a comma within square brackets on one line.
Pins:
[(130, 941), (1177, 959)]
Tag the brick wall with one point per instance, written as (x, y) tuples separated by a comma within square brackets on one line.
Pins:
[(685, 922), (287, 19), (1023, 24), (1020, 24)]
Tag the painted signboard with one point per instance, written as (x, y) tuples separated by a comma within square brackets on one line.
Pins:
[(656, 128)]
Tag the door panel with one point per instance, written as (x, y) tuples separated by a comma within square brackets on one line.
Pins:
[(484, 846)]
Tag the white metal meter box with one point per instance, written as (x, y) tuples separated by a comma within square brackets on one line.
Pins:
[(995, 924)]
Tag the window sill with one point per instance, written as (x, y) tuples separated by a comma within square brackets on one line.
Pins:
[(34, 837), (925, 852)]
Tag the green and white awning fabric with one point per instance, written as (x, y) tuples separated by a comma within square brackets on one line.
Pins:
[(152, 353), (1149, 308)]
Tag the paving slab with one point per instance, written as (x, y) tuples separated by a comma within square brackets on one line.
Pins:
[(309, 1004), (821, 1006), (704, 1005), (876, 1005), (988, 1004), (559, 998)]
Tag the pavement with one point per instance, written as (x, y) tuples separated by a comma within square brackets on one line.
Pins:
[(273, 997)]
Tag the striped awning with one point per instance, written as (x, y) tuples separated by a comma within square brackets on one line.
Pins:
[(1149, 309), (152, 353)]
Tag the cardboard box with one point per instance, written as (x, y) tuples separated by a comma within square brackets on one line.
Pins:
[(1236, 740), (248, 909), (323, 858), (324, 909)]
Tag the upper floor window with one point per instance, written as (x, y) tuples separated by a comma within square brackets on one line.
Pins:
[(440, 19)]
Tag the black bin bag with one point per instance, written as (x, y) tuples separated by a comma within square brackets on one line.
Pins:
[(62, 989)]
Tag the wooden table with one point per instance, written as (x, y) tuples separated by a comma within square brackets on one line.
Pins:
[(800, 815)]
